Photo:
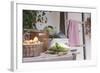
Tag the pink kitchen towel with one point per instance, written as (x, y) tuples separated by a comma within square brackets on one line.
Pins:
[(73, 33)]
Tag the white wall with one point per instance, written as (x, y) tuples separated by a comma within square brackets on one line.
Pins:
[(53, 19)]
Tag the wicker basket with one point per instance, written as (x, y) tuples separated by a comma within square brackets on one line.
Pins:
[(32, 50)]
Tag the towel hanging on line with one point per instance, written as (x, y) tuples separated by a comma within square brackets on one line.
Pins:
[(73, 33)]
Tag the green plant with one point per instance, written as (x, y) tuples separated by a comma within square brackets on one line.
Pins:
[(57, 48), (51, 31), (31, 17)]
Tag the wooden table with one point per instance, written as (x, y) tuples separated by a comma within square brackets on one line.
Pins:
[(48, 57)]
